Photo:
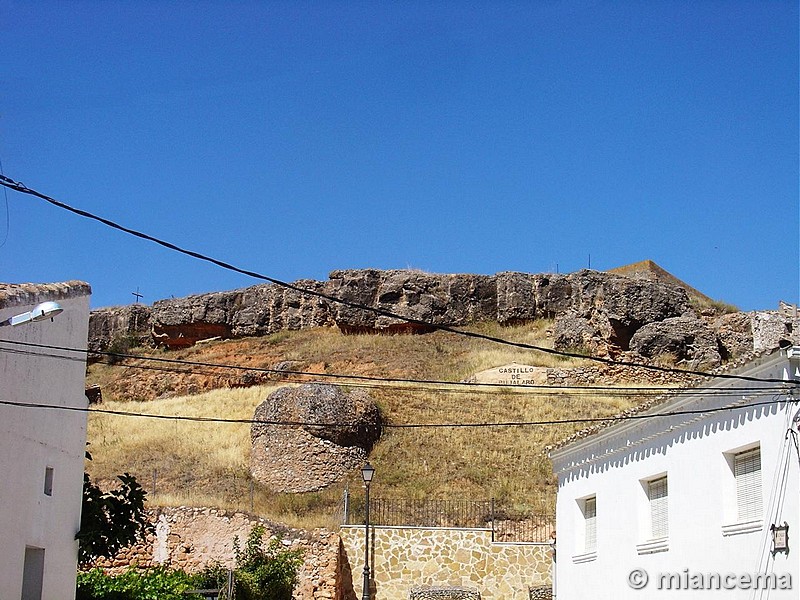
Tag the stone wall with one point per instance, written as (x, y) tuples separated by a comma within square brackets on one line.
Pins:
[(403, 559), (190, 538)]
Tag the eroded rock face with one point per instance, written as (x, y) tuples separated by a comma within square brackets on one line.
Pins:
[(685, 338), (107, 325), (734, 334), (431, 299), (265, 309), (308, 437), (594, 311), (182, 322)]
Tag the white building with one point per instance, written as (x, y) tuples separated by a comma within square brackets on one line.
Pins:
[(652, 507), (41, 449)]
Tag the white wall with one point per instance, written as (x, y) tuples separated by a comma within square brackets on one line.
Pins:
[(691, 451), (33, 439)]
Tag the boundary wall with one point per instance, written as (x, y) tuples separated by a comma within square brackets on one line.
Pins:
[(402, 558)]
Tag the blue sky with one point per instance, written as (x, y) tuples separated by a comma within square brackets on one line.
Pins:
[(295, 138)]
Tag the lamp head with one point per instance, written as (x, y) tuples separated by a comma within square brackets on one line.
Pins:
[(40, 312), (367, 473), (45, 310)]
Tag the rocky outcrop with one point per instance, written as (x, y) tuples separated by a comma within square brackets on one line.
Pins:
[(182, 322), (594, 311), (774, 328), (266, 309), (422, 297), (119, 326), (685, 339), (308, 437), (734, 334)]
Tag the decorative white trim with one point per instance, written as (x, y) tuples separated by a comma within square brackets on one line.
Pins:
[(653, 546), (585, 557), (743, 527)]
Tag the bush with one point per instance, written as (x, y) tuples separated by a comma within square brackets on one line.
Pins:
[(265, 573), (111, 520), (135, 584)]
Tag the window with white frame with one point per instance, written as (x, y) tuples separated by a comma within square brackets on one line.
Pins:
[(658, 494), (590, 524), (747, 473)]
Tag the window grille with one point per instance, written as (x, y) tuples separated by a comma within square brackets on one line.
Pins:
[(590, 520), (747, 471), (657, 492)]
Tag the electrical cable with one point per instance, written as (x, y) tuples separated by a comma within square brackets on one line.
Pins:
[(22, 188), (443, 385), (8, 214), (612, 419)]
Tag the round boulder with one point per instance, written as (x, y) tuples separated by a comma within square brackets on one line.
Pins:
[(306, 438)]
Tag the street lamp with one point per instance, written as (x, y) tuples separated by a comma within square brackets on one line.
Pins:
[(40, 312), (367, 473)]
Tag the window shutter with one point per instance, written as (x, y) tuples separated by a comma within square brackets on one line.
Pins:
[(590, 517), (658, 493), (747, 471)]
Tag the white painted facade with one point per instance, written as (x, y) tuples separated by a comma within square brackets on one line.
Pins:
[(42, 449), (694, 537)]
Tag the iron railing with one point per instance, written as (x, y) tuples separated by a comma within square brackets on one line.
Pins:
[(506, 526)]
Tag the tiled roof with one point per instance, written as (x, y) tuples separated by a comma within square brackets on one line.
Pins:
[(24, 294)]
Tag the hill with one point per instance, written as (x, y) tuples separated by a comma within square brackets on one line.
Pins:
[(200, 463), (219, 355)]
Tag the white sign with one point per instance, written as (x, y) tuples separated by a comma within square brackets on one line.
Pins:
[(512, 374)]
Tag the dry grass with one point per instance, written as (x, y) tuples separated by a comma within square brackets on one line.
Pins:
[(208, 463)]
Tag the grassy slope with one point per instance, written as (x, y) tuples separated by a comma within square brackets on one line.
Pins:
[(207, 464)]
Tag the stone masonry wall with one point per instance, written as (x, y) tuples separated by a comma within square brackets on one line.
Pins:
[(190, 538), (406, 558)]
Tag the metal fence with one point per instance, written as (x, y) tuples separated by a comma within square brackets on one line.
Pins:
[(533, 524), (506, 525)]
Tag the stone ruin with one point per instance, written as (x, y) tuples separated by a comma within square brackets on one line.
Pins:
[(602, 313)]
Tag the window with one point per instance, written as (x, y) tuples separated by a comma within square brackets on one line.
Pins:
[(657, 494), (48, 481), (590, 524), (747, 473), (586, 531)]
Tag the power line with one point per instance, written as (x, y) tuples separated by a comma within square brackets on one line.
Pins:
[(610, 419), (439, 384), (22, 188)]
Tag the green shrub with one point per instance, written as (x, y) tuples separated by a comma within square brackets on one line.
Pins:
[(265, 572), (157, 583)]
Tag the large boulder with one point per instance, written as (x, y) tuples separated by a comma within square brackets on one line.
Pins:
[(306, 438), (685, 339)]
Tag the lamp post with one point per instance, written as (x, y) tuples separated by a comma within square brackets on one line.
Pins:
[(367, 473)]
